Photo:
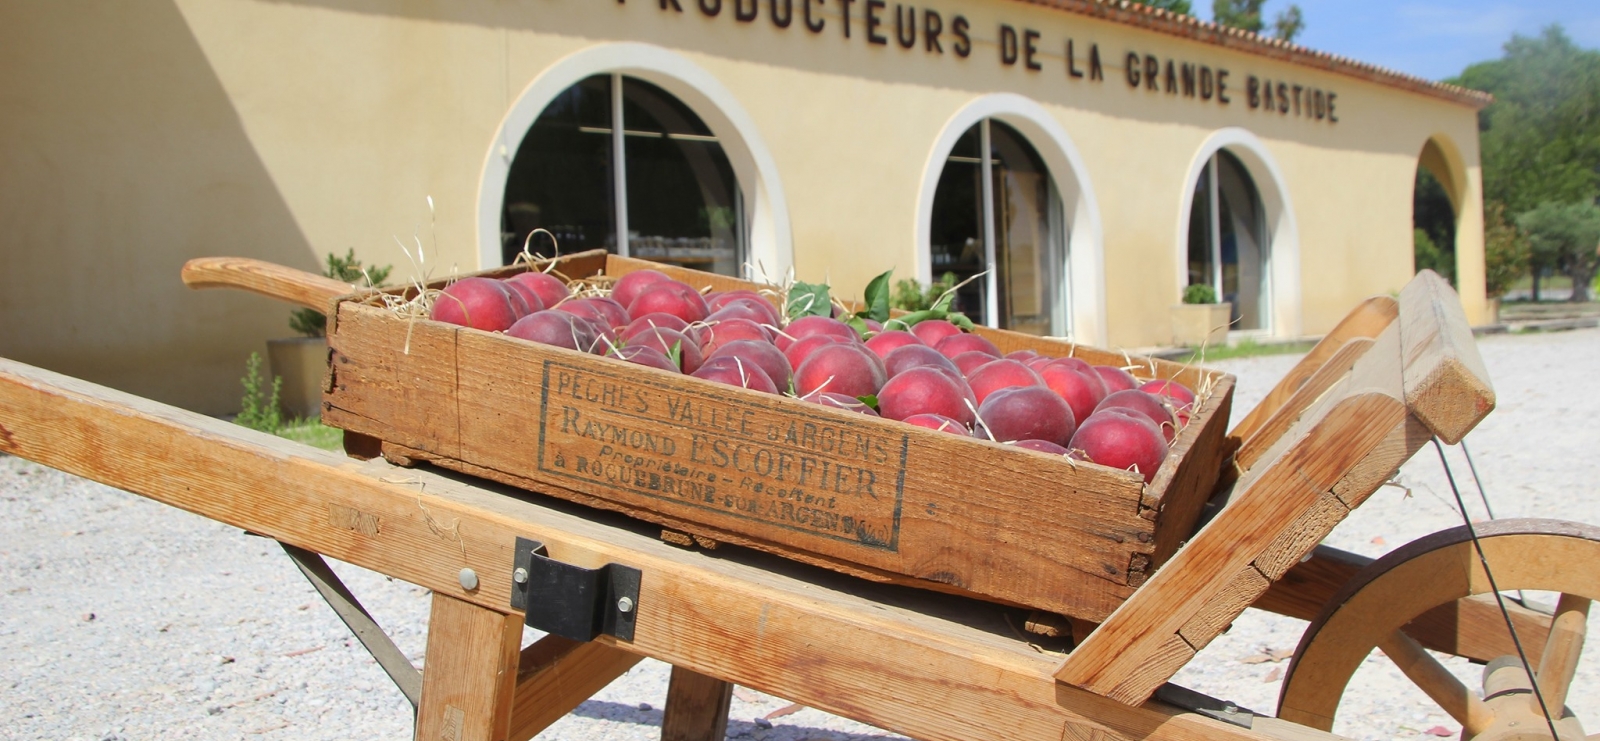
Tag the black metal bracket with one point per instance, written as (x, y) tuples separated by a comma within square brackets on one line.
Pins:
[(1195, 702), (572, 601)]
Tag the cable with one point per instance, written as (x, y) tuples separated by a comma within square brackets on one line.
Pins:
[(1477, 479), (1494, 588)]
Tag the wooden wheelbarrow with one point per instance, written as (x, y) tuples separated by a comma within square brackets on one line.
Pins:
[(1394, 375)]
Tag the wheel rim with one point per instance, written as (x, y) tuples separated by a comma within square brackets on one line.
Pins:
[(1546, 555)]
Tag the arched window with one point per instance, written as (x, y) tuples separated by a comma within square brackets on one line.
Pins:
[(997, 210), (617, 163), (1228, 240)]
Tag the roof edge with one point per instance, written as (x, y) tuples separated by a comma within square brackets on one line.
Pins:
[(1138, 15)]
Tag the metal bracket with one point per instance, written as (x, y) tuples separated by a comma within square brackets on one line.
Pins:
[(1195, 702), (572, 601), (389, 656)]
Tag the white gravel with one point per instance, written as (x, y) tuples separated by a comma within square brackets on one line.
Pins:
[(121, 618)]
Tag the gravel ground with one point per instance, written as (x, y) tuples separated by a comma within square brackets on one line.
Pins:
[(122, 618)]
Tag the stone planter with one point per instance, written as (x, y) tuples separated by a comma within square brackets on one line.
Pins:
[(1194, 325), (302, 363)]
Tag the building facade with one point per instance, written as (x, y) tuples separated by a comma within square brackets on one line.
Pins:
[(1085, 160)]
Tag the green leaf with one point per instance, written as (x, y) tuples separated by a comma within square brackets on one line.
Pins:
[(675, 353), (944, 301), (858, 324), (808, 299), (960, 320), (870, 400), (878, 298)]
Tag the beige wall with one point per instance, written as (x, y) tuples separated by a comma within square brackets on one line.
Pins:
[(285, 130)]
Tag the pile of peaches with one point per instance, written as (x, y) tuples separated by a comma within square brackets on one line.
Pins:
[(931, 374)]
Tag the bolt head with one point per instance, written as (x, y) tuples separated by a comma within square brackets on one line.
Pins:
[(520, 576), (625, 604), (469, 579)]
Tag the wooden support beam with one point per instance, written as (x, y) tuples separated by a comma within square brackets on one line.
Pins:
[(469, 674), (1446, 383), (697, 707), (1367, 320), (925, 665), (557, 675)]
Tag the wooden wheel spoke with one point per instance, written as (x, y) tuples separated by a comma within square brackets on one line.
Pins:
[(1561, 650), (1437, 682)]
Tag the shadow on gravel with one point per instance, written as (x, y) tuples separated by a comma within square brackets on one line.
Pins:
[(618, 712)]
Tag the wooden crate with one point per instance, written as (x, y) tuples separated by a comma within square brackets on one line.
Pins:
[(865, 496)]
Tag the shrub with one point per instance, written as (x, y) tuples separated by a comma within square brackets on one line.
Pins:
[(256, 412), (1199, 293)]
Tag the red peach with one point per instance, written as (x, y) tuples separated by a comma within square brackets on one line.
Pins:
[(1116, 379), (799, 350), (761, 353), (1027, 413), (970, 361), (670, 341), (1151, 406), (732, 370), (806, 326), (847, 368), (912, 356), (1122, 438), (670, 297), (1082, 389), (926, 390), (884, 343), (646, 356), (556, 328), (629, 286), (1001, 374), (1041, 446), (550, 288), (956, 344), (724, 331), (481, 303), (938, 422), (933, 330)]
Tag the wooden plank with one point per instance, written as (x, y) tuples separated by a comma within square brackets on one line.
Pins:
[(1220, 612), (914, 664), (782, 475), (697, 707), (1447, 385), (1301, 536), (1183, 484), (1330, 439), (1328, 374), (1366, 320), (470, 672), (555, 675)]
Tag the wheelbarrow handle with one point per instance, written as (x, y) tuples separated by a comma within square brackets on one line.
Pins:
[(268, 279)]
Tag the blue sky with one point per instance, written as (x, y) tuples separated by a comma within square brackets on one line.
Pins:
[(1431, 38)]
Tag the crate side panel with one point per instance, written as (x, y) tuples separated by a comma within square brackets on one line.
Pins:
[(394, 379)]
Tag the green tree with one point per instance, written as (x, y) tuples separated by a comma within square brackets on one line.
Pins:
[(1427, 256), (1505, 251), (1241, 14), (1289, 23), (1246, 15), (1566, 236), (1180, 7), (1539, 139)]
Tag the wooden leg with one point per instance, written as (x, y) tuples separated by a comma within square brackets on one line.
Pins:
[(470, 673), (697, 707), (556, 675)]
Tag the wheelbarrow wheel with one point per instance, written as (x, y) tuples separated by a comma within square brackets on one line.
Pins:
[(1528, 554)]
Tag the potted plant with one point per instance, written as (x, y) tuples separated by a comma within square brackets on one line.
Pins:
[(301, 363), (1200, 320)]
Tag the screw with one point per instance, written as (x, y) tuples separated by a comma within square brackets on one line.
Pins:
[(520, 576), (469, 579), (1230, 708), (625, 604)]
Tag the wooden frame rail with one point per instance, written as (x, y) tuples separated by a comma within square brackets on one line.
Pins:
[(926, 665)]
